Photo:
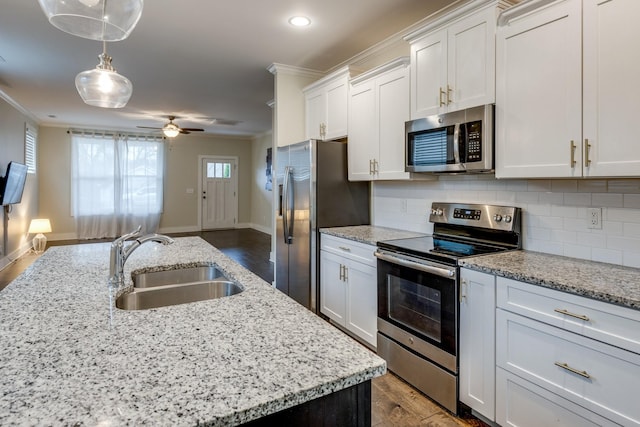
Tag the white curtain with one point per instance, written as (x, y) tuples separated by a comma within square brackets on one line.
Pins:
[(117, 183)]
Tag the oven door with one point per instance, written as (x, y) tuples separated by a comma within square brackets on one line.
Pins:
[(417, 306)]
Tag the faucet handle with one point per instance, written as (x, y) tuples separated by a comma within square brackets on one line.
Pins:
[(128, 236)]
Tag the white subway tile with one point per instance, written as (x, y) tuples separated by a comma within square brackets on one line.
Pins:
[(574, 224), (564, 211), (539, 233), (632, 201), (517, 185), (564, 236), (593, 240), (527, 197), (631, 229), (577, 199), (564, 186), (623, 243), (552, 222), (539, 185), (552, 198), (623, 215), (610, 200), (606, 255), (592, 186), (612, 228), (536, 209), (624, 186), (631, 259), (545, 246), (577, 251)]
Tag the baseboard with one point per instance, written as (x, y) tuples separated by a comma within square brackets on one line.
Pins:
[(187, 229), (61, 236), (262, 228), (23, 249)]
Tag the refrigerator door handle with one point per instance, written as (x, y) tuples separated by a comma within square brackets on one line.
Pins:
[(286, 203)]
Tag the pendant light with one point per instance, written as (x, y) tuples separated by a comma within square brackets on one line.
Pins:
[(103, 86), (103, 20)]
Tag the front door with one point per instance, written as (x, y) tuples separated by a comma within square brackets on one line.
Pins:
[(219, 192)]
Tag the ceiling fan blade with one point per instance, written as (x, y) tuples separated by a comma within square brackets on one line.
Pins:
[(193, 129), (184, 132), (147, 127)]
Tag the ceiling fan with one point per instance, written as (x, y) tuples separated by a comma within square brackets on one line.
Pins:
[(172, 130)]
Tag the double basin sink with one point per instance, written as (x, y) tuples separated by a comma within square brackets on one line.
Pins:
[(171, 287)]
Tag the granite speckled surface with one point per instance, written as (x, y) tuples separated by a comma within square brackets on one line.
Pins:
[(369, 234), (605, 282), (67, 361)]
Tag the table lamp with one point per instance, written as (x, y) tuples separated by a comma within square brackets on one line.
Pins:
[(39, 226)]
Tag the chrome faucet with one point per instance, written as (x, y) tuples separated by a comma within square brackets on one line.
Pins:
[(120, 253)]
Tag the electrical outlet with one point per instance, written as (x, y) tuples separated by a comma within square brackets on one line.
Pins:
[(594, 218)]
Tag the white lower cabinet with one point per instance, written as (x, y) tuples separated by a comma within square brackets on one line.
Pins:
[(551, 370), (477, 341), (348, 286)]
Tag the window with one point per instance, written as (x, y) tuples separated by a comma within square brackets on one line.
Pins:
[(219, 170), (117, 183), (30, 147)]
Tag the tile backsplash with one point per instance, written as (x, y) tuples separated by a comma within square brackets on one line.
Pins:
[(554, 216)]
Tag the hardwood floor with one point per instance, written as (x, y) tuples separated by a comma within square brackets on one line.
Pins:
[(394, 403)]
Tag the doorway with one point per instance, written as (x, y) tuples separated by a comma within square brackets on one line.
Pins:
[(219, 183)]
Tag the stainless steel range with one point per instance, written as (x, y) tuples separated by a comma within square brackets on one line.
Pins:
[(418, 284)]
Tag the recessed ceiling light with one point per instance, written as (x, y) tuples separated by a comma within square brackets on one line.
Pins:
[(299, 21)]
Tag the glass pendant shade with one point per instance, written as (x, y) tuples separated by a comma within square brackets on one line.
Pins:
[(104, 20), (170, 130), (103, 86)]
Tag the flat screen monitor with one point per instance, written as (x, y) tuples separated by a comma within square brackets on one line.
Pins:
[(12, 185)]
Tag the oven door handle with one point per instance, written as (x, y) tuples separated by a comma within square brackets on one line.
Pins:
[(418, 265)]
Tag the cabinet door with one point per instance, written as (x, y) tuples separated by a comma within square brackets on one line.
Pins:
[(429, 75), (363, 138), (471, 61), (611, 87), (332, 288), (337, 98), (477, 341), (315, 105), (362, 301), (392, 111), (539, 93)]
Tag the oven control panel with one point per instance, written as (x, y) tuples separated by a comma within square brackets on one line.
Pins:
[(505, 218)]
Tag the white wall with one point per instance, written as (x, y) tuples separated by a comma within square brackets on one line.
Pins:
[(261, 198), (180, 212), (12, 128), (554, 211)]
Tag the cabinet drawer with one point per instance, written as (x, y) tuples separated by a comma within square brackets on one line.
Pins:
[(594, 375), (356, 251), (520, 403), (619, 326)]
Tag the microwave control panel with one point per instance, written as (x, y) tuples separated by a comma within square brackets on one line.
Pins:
[(474, 141)]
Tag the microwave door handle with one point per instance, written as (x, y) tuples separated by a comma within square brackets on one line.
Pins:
[(456, 144)]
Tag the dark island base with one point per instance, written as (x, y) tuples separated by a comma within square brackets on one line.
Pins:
[(350, 407)]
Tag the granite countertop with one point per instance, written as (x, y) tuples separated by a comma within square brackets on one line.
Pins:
[(605, 282), (66, 360), (369, 234)]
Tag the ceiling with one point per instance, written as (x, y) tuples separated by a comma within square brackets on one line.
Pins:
[(194, 59)]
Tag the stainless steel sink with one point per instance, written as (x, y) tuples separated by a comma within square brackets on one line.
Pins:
[(145, 298), (173, 277)]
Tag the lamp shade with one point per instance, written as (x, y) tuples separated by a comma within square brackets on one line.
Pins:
[(104, 20), (103, 86), (40, 225)]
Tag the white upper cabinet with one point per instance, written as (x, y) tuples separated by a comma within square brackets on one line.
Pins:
[(378, 109), (453, 60), (566, 90), (326, 106)]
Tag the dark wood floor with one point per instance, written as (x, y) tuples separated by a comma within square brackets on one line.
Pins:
[(394, 402)]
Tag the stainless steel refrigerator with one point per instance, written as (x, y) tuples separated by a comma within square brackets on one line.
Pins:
[(313, 193)]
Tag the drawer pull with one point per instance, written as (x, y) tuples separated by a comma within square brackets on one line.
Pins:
[(568, 313), (573, 370), (344, 248)]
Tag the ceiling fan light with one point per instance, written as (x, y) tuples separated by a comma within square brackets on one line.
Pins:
[(170, 130), (104, 20), (103, 86)]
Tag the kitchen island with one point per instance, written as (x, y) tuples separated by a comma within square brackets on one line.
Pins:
[(68, 359)]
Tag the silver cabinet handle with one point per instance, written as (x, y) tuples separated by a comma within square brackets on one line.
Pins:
[(463, 290), (568, 313), (449, 90), (442, 103), (587, 146), (341, 272), (346, 274), (572, 163), (573, 370)]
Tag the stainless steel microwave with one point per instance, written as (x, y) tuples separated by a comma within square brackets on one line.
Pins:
[(459, 141)]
